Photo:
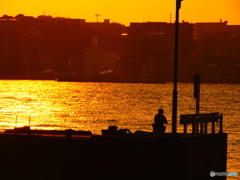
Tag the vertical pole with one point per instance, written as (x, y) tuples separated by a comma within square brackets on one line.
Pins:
[(221, 124), (194, 127), (197, 105), (201, 126), (175, 93), (185, 129), (16, 121), (205, 126), (213, 127), (29, 121), (197, 97), (197, 91)]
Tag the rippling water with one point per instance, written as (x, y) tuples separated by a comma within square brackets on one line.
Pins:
[(95, 106)]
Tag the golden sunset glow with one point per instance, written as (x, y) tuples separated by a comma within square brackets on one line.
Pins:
[(125, 11)]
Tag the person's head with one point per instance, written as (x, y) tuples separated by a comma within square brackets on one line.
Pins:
[(160, 111)]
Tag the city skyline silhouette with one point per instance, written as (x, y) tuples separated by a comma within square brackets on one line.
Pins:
[(126, 12), (106, 51)]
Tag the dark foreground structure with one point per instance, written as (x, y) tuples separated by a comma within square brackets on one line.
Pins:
[(112, 157)]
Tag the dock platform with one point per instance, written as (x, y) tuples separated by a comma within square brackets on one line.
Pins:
[(25, 156)]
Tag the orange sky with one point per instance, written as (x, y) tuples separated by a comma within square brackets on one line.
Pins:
[(126, 11)]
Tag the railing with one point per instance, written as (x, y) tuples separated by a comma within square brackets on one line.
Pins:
[(200, 122)]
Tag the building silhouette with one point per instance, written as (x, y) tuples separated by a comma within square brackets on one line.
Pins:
[(31, 45), (97, 61), (9, 46), (218, 51), (34, 51), (151, 45)]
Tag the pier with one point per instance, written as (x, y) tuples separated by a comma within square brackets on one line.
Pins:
[(25, 156)]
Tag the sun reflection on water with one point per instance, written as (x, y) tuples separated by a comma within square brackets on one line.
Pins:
[(95, 106)]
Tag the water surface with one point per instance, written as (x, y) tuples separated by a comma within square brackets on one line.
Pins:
[(95, 106)]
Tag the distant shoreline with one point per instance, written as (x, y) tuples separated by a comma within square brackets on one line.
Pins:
[(208, 81)]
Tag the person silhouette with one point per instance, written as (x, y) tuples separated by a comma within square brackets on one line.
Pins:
[(159, 121)]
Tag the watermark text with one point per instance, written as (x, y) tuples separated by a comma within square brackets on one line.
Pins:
[(212, 174)]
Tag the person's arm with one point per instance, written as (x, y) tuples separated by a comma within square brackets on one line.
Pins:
[(155, 117), (165, 120)]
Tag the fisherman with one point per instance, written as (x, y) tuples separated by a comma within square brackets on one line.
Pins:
[(158, 127)]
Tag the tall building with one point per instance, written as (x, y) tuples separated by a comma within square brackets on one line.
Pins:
[(218, 43), (234, 29), (202, 28), (19, 47), (138, 51), (97, 61), (49, 59), (34, 50), (151, 44), (9, 45)]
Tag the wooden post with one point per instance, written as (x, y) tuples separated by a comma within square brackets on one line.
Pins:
[(205, 126), (213, 127), (194, 127), (201, 126), (221, 124), (185, 129)]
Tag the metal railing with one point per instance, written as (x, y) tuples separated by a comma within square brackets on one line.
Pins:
[(200, 122)]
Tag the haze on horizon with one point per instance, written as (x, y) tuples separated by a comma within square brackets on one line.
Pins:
[(128, 11)]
